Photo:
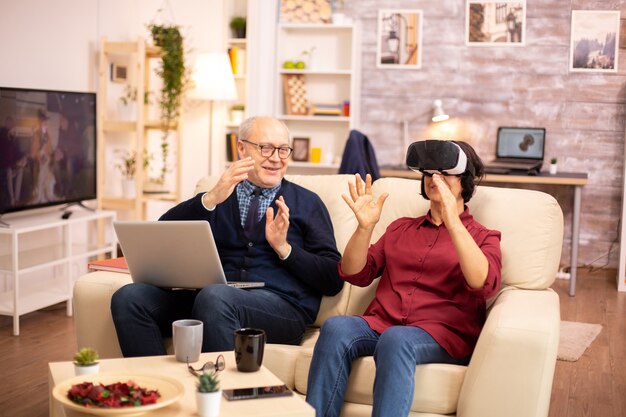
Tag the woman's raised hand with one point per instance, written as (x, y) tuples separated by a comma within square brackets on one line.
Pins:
[(365, 208)]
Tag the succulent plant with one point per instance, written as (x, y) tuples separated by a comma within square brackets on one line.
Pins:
[(208, 382), (85, 357)]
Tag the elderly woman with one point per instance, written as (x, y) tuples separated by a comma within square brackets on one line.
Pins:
[(436, 273)]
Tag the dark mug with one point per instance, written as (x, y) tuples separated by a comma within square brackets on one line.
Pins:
[(249, 347)]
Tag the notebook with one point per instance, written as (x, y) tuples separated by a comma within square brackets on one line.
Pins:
[(173, 254), (518, 149)]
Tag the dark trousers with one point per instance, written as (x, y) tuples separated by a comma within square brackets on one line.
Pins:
[(143, 316)]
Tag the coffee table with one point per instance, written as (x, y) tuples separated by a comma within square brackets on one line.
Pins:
[(293, 405)]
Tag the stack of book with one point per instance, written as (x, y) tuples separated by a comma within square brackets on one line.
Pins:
[(327, 109), (113, 265)]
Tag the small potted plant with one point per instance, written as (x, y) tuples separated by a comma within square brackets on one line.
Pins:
[(238, 25), (127, 166), (553, 166), (208, 395), (85, 362), (128, 103)]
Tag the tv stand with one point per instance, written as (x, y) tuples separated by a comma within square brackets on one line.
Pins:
[(77, 203), (54, 248)]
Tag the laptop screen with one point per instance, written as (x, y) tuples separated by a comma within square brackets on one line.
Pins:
[(520, 142)]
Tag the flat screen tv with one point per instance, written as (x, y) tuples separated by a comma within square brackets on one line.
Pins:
[(47, 148)]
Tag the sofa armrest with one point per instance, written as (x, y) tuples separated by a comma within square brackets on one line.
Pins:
[(92, 311), (512, 368)]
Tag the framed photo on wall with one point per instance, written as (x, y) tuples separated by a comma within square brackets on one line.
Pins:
[(399, 39), (300, 149), (594, 40), (495, 23)]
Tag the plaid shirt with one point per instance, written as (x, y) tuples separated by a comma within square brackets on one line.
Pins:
[(245, 190)]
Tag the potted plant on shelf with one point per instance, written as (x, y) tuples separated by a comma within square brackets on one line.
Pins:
[(208, 395), (127, 166), (85, 362), (127, 107), (174, 76), (553, 166), (238, 26)]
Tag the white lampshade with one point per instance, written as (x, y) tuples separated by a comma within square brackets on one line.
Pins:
[(212, 78), (438, 114)]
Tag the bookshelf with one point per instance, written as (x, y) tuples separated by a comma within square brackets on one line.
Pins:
[(331, 77)]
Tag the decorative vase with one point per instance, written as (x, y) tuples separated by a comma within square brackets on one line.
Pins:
[(129, 188), (208, 403), (553, 169), (86, 369)]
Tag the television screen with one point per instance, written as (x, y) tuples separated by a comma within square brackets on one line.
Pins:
[(47, 148)]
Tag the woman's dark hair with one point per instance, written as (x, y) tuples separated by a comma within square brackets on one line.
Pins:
[(469, 181)]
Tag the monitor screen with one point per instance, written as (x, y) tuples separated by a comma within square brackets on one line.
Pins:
[(520, 142), (47, 148)]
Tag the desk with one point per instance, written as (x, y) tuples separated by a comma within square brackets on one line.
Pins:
[(574, 179)]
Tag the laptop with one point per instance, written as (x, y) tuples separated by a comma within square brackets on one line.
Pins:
[(173, 254), (518, 149)]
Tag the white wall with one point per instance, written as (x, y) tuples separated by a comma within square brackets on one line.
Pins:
[(54, 45)]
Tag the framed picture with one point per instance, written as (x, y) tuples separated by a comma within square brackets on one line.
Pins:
[(594, 41), (495, 23), (300, 149), (305, 11), (399, 39)]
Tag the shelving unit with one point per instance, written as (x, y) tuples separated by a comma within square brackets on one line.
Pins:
[(331, 76), (234, 8), (135, 135), (61, 251)]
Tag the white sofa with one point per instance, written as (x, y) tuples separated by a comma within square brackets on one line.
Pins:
[(511, 371)]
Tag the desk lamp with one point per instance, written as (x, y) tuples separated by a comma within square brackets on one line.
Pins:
[(437, 115)]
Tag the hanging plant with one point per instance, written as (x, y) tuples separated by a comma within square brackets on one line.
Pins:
[(174, 76)]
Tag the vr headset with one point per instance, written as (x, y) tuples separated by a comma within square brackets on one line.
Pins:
[(437, 157)]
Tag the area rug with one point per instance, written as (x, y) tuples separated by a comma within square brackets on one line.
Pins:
[(575, 338)]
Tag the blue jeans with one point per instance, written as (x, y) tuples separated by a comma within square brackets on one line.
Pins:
[(396, 353), (143, 315)]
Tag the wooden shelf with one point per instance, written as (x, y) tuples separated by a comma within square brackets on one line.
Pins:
[(338, 119), (136, 134)]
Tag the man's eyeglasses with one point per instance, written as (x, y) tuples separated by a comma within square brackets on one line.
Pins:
[(219, 365), (268, 150)]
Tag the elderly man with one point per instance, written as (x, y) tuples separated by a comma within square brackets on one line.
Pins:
[(266, 229)]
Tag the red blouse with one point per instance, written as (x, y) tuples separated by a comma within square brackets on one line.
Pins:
[(422, 284)]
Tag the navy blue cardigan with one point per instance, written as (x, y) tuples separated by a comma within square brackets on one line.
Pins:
[(309, 272)]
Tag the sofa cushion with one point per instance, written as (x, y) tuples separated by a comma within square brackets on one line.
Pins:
[(437, 386)]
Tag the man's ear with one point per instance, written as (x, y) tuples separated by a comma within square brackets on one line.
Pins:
[(240, 149)]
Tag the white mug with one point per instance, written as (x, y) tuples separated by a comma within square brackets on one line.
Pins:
[(187, 335)]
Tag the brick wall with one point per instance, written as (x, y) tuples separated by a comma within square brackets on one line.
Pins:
[(486, 87)]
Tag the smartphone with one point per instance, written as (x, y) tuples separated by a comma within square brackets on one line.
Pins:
[(256, 392)]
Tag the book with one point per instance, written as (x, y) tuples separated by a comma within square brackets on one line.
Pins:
[(113, 265), (231, 147)]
